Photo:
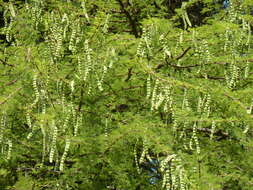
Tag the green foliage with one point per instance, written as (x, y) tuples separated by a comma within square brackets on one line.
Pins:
[(93, 91)]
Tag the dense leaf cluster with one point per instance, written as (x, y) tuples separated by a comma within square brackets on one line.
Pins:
[(126, 94)]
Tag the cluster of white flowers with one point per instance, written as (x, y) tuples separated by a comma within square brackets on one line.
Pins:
[(213, 129), (144, 151), (136, 160), (67, 145), (144, 46), (174, 175), (88, 65), (9, 149), (166, 50), (207, 106), (2, 127), (232, 75), (53, 143)]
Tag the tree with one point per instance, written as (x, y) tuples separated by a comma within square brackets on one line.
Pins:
[(126, 95)]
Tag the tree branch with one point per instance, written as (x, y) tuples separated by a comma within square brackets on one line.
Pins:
[(219, 133), (130, 18), (5, 63), (129, 74), (183, 53), (211, 77), (175, 59)]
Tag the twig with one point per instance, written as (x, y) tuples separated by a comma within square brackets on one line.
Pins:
[(211, 77), (175, 59), (5, 63), (189, 66), (183, 53), (217, 133), (11, 82), (129, 74), (81, 98)]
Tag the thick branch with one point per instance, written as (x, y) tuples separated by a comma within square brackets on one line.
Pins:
[(130, 18)]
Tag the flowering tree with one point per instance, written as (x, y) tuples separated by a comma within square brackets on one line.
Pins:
[(126, 95)]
